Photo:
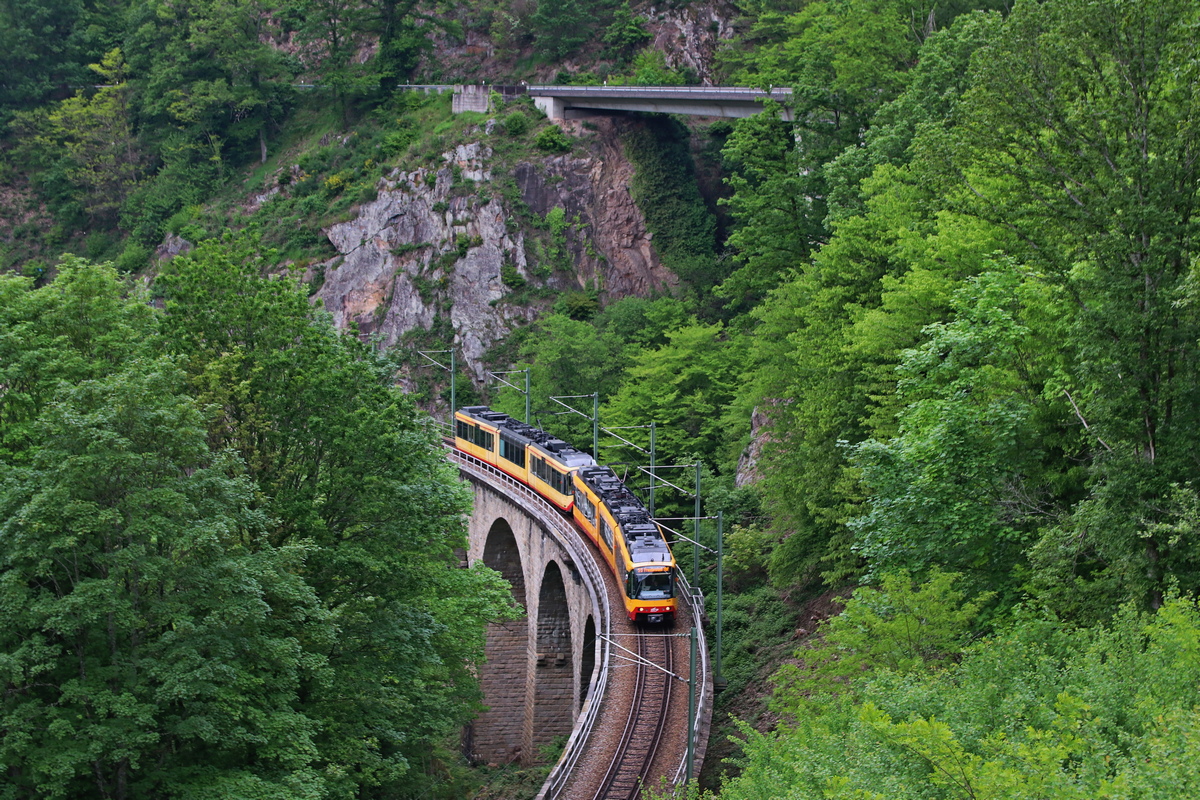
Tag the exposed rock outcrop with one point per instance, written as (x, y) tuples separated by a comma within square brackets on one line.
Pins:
[(748, 471), (442, 244), (688, 36)]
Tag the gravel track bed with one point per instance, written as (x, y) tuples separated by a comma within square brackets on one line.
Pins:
[(614, 710)]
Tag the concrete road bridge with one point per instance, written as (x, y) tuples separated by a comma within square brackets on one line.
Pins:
[(546, 676), (574, 102)]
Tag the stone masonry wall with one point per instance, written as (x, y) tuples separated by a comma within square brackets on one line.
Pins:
[(529, 704)]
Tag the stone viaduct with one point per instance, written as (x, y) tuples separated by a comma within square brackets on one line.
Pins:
[(546, 670), (545, 675)]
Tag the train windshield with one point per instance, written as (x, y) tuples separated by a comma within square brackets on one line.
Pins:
[(653, 585)]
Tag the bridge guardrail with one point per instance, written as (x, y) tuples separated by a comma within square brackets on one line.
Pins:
[(747, 92), (695, 600)]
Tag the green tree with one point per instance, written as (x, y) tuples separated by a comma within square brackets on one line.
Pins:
[(100, 155), (650, 69), (975, 465), (208, 69), (343, 462), (560, 27), (778, 225), (897, 626), (828, 340), (78, 328), (144, 613), (1079, 135), (1036, 709), (402, 39), (626, 31), (566, 357), (682, 385), (143, 609), (45, 47)]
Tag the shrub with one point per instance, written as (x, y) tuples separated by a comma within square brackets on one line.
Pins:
[(336, 184), (133, 258), (515, 124), (509, 275), (552, 140), (577, 305)]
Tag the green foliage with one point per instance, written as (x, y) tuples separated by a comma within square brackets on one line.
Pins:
[(186, 177), (1032, 710), (133, 258), (256, 508), (664, 187), (229, 98), (577, 305), (47, 45), (561, 26), (1103, 222), (144, 609), (962, 480), (551, 139), (626, 31), (899, 627), (90, 139), (756, 621), (515, 123), (778, 222), (650, 69), (283, 384), (682, 385), (510, 276), (565, 357)]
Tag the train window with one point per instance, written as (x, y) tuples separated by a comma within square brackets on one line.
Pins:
[(585, 505), (474, 434), (606, 533), (653, 585), (512, 451)]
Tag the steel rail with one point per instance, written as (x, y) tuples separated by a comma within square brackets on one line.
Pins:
[(568, 535), (626, 775)]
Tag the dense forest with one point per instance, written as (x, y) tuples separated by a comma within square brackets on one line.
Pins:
[(934, 345)]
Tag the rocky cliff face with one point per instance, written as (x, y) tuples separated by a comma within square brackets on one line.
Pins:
[(444, 245), (687, 34)]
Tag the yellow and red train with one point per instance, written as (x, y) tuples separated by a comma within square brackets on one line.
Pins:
[(602, 506)]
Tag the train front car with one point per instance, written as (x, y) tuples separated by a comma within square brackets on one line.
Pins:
[(636, 551)]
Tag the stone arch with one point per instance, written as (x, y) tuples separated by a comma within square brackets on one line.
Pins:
[(496, 735), (587, 661), (554, 680)]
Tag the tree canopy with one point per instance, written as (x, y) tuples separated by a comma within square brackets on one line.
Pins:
[(227, 546)]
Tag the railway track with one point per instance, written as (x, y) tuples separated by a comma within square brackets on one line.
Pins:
[(634, 755), (651, 721)]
